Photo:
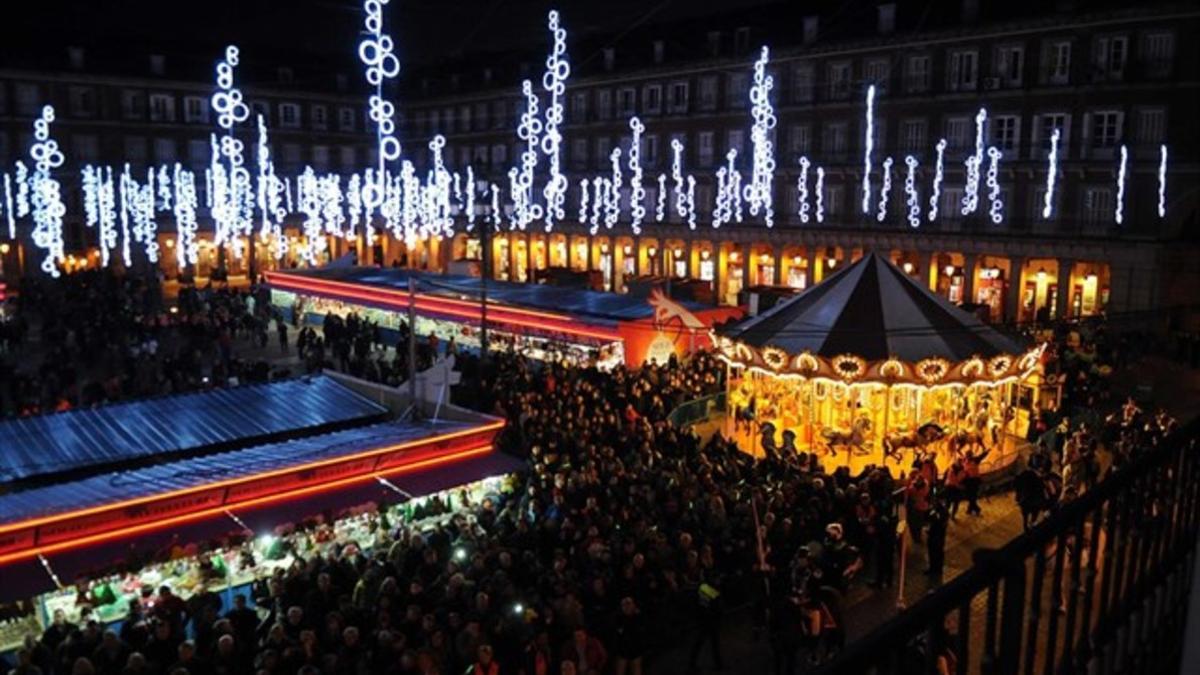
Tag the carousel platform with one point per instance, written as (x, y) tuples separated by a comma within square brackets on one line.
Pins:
[(1002, 460)]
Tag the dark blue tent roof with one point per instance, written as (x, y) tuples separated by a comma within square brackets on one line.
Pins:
[(587, 305), (117, 486), (217, 419)]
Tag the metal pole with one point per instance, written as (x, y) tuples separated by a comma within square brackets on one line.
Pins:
[(412, 343), (485, 272)]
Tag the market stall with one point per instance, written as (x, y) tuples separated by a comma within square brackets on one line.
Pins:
[(873, 367), (545, 322)]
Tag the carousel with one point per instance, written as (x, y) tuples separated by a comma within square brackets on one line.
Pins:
[(871, 367)]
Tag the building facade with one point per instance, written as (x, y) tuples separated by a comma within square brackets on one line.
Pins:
[(1107, 80)]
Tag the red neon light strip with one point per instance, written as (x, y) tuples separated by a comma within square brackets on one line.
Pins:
[(449, 306), (33, 522), (111, 535)]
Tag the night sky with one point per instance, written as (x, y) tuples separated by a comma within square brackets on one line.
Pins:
[(427, 31)]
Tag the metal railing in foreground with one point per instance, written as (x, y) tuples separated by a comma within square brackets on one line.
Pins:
[(697, 410), (1100, 586)]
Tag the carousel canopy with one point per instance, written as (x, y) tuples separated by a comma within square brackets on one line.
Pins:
[(870, 311)]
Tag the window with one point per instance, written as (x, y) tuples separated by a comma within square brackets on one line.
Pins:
[(499, 115), (499, 154), (464, 118), (963, 71), (741, 40), (736, 97), (448, 120), (479, 121), (85, 148), (289, 115), (29, 99), (679, 97), (1005, 132), (260, 108), (579, 106), (348, 158), (603, 150), (133, 105), (912, 135), (1047, 123), (708, 92), (1057, 66), (198, 150), (1109, 56), (164, 150), (833, 200), (291, 154), (916, 79), (704, 151), (346, 119), (950, 207), (1158, 52), (735, 140), (1097, 205), (626, 101), (320, 157), (650, 150), (83, 101), (604, 103), (320, 117), (835, 139), (799, 140), (957, 130), (1010, 62), (135, 149), (162, 108), (802, 82), (652, 99), (480, 156), (1151, 126), (195, 109), (839, 80), (877, 72), (579, 151), (1106, 128)]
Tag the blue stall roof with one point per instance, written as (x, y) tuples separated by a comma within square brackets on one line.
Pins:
[(124, 432), (586, 305), (117, 486)]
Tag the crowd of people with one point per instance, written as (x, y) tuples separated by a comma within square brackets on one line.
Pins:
[(94, 337), (626, 535)]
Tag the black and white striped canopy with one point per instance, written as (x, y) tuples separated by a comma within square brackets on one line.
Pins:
[(873, 310)]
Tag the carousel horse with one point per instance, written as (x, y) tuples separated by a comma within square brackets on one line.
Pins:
[(767, 441), (965, 439), (917, 440), (1036, 492), (854, 438)]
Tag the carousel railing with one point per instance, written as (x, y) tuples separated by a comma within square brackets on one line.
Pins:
[(1100, 586), (697, 410)]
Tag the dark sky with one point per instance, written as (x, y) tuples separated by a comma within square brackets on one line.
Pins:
[(426, 30)]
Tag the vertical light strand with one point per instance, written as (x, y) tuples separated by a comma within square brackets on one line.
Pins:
[(868, 147), (637, 193), (802, 190), (885, 190), (1162, 181), (819, 188), (1119, 214), (554, 82), (974, 164), (1051, 175), (46, 193), (939, 173), (996, 209), (762, 176), (910, 191)]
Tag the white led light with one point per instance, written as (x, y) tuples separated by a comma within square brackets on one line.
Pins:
[(910, 192), (820, 190), (187, 252), (46, 194), (762, 176), (1119, 215), (554, 82), (660, 208), (802, 190), (1162, 181), (996, 210), (868, 147), (1051, 175), (8, 204), (938, 175), (612, 193), (974, 164), (886, 190), (637, 193), (376, 51)]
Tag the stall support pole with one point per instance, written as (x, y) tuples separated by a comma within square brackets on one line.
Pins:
[(887, 409), (485, 272), (412, 345)]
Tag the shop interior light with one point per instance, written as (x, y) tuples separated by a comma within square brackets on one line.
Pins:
[(831, 263), (908, 268)]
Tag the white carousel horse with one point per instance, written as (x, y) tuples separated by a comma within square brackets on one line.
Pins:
[(854, 438)]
